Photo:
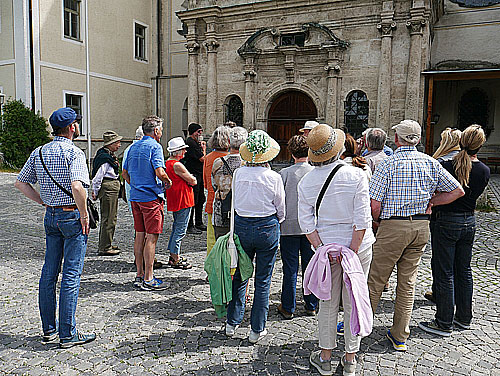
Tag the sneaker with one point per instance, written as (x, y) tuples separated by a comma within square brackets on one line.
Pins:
[(324, 368), (77, 339), (51, 337), (429, 296), (398, 345), (138, 282), (285, 314), (434, 328), (154, 285), (193, 230), (201, 227), (253, 337), (230, 330), (340, 328), (349, 366), (461, 325)]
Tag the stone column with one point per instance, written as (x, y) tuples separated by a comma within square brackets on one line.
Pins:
[(412, 103), (333, 69), (386, 27), (211, 45), (193, 94), (249, 101)]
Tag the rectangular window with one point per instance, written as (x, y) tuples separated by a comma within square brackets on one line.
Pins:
[(140, 41), (72, 19), (75, 102)]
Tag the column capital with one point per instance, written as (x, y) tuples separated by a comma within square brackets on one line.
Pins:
[(332, 68), (211, 45), (415, 26), (192, 47), (386, 28), (249, 74)]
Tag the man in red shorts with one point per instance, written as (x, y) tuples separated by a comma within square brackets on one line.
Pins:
[(144, 171)]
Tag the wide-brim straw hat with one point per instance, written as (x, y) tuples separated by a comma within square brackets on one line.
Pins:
[(259, 147), (324, 143), (110, 137)]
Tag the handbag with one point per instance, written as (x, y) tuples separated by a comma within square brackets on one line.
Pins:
[(226, 203), (91, 209), (325, 187)]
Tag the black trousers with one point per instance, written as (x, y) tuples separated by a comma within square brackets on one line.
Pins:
[(199, 201)]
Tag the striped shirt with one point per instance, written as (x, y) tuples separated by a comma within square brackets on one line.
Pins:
[(65, 162), (405, 182)]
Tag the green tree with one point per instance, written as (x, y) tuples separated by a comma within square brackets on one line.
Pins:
[(21, 131)]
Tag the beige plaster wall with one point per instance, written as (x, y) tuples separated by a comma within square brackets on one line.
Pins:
[(7, 31), (8, 80)]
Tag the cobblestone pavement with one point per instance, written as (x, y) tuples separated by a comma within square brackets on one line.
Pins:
[(175, 331)]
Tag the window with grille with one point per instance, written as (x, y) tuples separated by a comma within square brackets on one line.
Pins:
[(474, 109), (140, 42), (75, 102), (72, 19), (356, 109), (296, 39), (234, 110)]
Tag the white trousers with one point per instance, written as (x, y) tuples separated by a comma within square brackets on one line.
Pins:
[(329, 309)]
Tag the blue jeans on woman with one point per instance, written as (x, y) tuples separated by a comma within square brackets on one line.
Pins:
[(259, 238), (179, 228), (64, 239), (290, 247), (452, 237)]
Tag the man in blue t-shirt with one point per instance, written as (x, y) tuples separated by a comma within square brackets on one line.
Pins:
[(144, 170)]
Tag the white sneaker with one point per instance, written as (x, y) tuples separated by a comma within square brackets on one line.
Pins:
[(253, 337), (230, 330)]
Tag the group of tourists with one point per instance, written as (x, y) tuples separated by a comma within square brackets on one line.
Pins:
[(350, 210)]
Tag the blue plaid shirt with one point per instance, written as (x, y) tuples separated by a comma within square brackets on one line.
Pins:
[(405, 182), (65, 162)]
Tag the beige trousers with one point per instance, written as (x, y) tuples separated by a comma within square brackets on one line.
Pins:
[(329, 309), (108, 196), (401, 243)]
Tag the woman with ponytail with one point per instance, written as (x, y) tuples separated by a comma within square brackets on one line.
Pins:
[(449, 145), (453, 228), (352, 159)]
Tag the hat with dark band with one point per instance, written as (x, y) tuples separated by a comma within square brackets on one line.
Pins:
[(324, 143)]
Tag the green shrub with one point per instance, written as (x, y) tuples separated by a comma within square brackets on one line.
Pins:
[(21, 131)]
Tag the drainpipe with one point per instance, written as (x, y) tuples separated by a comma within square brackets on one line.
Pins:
[(87, 82), (32, 63)]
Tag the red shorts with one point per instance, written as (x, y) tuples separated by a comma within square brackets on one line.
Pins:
[(148, 216)]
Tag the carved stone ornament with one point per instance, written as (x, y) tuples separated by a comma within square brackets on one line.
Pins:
[(415, 26), (332, 67), (192, 47), (211, 45), (386, 28)]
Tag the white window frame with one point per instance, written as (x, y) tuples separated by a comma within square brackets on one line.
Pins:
[(146, 41), (79, 42), (83, 124)]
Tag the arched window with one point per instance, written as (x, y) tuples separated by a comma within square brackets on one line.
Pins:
[(234, 110), (474, 109), (356, 112)]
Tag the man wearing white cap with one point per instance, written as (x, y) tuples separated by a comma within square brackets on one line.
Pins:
[(402, 194), (310, 124)]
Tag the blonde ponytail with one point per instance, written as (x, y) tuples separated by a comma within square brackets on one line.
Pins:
[(450, 139), (470, 142)]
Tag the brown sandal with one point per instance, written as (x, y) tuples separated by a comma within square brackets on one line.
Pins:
[(179, 264)]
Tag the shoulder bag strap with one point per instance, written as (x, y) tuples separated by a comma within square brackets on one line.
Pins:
[(325, 187), (227, 165), (50, 176)]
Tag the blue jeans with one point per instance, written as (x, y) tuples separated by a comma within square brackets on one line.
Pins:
[(259, 238), (64, 239), (179, 227), (290, 246), (452, 236)]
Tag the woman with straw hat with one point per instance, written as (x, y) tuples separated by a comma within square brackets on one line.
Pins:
[(259, 207), (342, 216)]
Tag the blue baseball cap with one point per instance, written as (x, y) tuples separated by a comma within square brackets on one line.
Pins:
[(63, 117)]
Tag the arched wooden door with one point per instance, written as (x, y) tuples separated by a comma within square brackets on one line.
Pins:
[(288, 113)]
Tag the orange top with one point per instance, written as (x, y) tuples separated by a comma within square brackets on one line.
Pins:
[(180, 194), (207, 177)]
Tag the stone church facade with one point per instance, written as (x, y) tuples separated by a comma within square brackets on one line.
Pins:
[(346, 63)]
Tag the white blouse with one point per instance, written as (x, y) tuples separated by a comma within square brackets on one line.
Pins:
[(258, 192), (345, 205)]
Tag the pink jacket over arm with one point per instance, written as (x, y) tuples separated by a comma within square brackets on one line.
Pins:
[(318, 281)]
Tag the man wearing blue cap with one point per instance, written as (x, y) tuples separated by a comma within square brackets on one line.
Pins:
[(66, 224)]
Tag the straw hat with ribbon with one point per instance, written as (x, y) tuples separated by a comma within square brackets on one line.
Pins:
[(259, 147), (324, 143)]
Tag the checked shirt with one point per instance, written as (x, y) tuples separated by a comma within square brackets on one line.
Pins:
[(65, 162), (405, 182)]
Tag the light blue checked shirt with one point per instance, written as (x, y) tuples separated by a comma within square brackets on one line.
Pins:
[(405, 182), (65, 162)]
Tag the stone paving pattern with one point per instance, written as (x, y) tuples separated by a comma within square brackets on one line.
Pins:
[(176, 332)]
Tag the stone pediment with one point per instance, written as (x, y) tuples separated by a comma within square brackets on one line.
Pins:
[(464, 65), (269, 39), (475, 3)]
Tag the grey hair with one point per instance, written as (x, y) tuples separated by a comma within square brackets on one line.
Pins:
[(237, 136), (328, 161), (219, 140), (150, 123), (376, 138), (176, 153)]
